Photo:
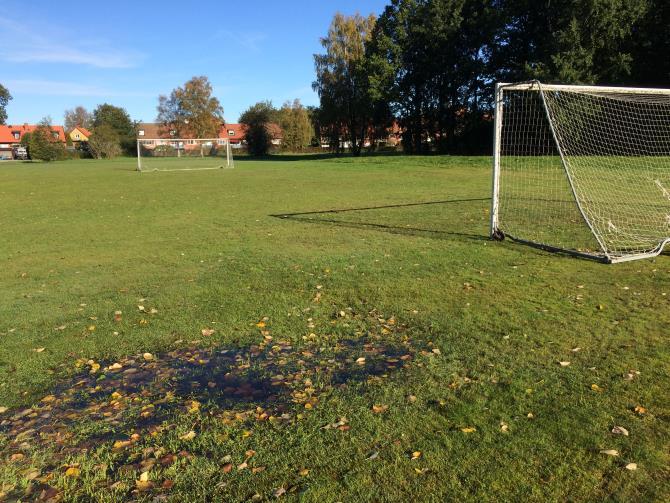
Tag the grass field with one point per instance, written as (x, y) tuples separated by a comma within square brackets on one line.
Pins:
[(224, 336)]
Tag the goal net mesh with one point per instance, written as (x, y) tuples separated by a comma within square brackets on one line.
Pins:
[(585, 170), (183, 154)]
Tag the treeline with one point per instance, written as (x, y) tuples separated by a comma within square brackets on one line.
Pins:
[(430, 66)]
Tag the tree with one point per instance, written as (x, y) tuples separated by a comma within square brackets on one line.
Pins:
[(4, 101), (568, 41), (341, 78), (191, 110), (43, 144), (296, 125), (104, 142), (78, 116), (650, 46), (118, 119), (257, 119)]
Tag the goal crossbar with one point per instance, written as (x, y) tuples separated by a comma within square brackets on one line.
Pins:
[(582, 169)]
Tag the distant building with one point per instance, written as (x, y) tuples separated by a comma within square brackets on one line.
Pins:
[(11, 136), (79, 135), (234, 133)]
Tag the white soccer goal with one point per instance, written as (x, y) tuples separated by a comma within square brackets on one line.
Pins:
[(183, 154), (582, 169)]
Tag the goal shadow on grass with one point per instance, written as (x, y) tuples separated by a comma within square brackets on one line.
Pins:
[(388, 218)]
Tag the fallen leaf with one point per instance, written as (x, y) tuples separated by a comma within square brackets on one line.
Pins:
[(610, 452), (206, 332), (91, 328), (242, 466), (280, 492), (3, 410), (39, 350), (188, 436), (260, 324), (504, 427), (468, 429), (620, 430), (631, 466), (640, 410), (167, 484), (564, 364), (596, 388), (304, 472), (416, 455), (227, 467), (361, 360), (379, 409), (73, 472), (148, 356)]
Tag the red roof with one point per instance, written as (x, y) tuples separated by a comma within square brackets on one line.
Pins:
[(29, 128), (6, 135), (84, 131)]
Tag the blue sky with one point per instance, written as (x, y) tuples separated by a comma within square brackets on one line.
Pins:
[(54, 56)]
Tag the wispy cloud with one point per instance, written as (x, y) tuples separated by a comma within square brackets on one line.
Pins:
[(250, 41), (20, 43), (62, 88)]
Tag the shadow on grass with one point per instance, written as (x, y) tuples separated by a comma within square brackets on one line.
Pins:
[(147, 393), (324, 217)]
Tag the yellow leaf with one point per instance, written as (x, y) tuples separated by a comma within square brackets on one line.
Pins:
[(91, 328), (144, 477), (564, 364), (596, 388), (361, 360), (39, 350), (188, 436), (304, 472), (246, 434), (260, 324), (49, 398), (206, 332), (73, 472), (416, 455), (469, 429), (148, 356), (640, 410), (631, 466), (379, 409)]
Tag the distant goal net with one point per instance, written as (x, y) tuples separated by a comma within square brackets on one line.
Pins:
[(187, 154), (583, 169)]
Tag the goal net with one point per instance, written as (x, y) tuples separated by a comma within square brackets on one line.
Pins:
[(177, 154), (583, 169)]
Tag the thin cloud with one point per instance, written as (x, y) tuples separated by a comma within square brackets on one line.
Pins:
[(37, 47), (251, 41), (61, 88)]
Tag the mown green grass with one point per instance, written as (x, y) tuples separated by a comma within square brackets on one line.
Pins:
[(81, 240)]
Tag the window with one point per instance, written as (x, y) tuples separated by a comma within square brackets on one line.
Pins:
[(76, 136), (231, 132), (55, 134), (16, 135), (140, 132)]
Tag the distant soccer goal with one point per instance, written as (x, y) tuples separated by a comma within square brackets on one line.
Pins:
[(183, 154), (583, 169)]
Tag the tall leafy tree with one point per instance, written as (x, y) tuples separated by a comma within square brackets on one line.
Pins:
[(4, 101), (77, 116), (567, 41), (650, 47), (257, 120), (191, 110), (341, 78), (296, 125), (117, 119)]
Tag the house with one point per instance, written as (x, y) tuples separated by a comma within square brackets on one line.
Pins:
[(156, 134), (11, 136), (236, 134), (78, 135), (6, 144)]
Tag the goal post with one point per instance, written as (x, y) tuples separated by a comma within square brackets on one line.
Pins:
[(183, 154), (582, 169)]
